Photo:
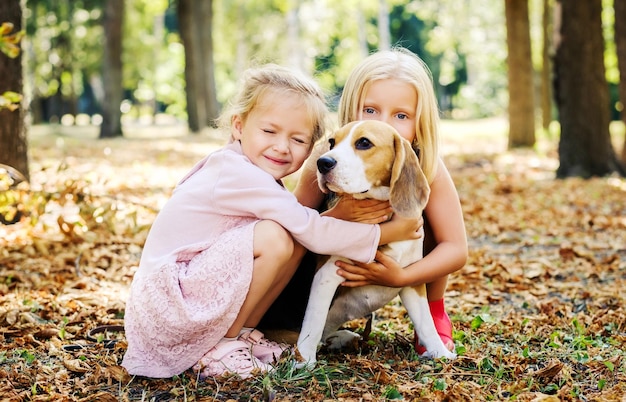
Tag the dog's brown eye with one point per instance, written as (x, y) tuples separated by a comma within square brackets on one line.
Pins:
[(363, 144), (331, 142)]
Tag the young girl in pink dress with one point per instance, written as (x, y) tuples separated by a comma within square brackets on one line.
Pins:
[(231, 236)]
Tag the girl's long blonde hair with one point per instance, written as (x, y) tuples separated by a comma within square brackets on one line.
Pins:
[(402, 64)]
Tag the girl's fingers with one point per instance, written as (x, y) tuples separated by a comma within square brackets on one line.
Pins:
[(384, 259)]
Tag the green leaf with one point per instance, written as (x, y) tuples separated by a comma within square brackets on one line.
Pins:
[(10, 100), (477, 322), (392, 393), (440, 384), (9, 44), (5, 28), (12, 96)]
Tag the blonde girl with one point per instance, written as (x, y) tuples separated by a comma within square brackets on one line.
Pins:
[(396, 87), (230, 237)]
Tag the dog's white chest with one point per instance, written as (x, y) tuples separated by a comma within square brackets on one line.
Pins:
[(406, 252)]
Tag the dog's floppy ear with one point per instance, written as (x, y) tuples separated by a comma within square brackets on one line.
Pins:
[(409, 189)]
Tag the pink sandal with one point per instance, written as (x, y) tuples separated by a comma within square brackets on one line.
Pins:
[(442, 324), (262, 348), (229, 357)]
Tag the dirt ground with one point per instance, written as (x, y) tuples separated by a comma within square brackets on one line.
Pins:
[(538, 310)]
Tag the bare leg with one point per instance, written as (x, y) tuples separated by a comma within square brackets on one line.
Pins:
[(276, 257), (436, 289)]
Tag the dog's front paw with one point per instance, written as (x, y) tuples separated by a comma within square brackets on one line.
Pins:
[(342, 339), (302, 362), (437, 354), (308, 365), (305, 356)]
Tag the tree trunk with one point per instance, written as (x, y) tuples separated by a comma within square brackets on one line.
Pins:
[(196, 110), (112, 69), (581, 92), (520, 75), (620, 43), (195, 19), (205, 25), (13, 145), (546, 69)]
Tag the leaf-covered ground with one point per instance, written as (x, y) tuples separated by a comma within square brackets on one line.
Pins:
[(538, 310)]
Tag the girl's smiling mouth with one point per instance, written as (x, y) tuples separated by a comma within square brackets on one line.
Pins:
[(276, 160)]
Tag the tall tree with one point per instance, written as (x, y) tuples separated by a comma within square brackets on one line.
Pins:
[(546, 68), (581, 92), (13, 145), (195, 19), (196, 112), (520, 74), (112, 69), (204, 29), (620, 43)]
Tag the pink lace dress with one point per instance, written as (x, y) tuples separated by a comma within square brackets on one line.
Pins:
[(197, 262)]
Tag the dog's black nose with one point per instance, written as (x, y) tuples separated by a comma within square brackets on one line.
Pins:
[(325, 164)]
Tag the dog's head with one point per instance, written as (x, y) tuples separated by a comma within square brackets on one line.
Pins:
[(369, 159)]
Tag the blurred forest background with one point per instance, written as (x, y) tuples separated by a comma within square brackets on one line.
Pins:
[(117, 62), (105, 104)]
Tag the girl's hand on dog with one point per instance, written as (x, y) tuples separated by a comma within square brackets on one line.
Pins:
[(363, 211), (400, 228), (384, 271)]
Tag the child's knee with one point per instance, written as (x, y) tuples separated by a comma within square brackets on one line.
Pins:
[(272, 238)]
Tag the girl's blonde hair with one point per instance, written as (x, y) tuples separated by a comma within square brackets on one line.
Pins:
[(402, 64), (256, 82)]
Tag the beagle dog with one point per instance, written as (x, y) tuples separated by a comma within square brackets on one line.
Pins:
[(369, 159)]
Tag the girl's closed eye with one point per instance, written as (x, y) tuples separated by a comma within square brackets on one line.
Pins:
[(300, 140)]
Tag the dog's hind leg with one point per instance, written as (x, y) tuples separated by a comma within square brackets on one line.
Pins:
[(323, 289), (416, 305), (352, 303), (345, 307)]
